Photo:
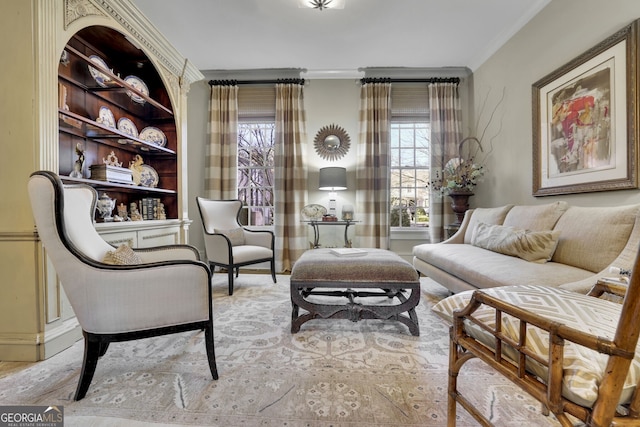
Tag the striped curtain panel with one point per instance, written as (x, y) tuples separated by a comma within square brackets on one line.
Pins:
[(372, 169), (221, 172), (446, 122), (291, 175)]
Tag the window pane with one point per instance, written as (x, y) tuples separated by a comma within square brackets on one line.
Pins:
[(406, 157), (407, 137), (395, 157), (395, 178)]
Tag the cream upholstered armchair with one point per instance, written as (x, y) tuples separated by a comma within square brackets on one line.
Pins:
[(117, 294), (228, 244)]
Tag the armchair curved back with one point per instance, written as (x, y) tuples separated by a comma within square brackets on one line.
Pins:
[(71, 249), (219, 214)]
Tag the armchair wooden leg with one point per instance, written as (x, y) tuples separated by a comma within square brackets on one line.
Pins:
[(103, 348), (92, 351), (273, 271), (230, 277), (452, 386), (211, 355)]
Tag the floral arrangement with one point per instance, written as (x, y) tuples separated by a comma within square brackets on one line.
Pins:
[(460, 174)]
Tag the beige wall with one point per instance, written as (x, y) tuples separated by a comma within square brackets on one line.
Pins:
[(559, 33)]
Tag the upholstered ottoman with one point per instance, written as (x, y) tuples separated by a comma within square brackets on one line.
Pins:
[(329, 286)]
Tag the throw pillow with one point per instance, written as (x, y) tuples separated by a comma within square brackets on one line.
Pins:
[(534, 246), (235, 235), (123, 255), (486, 215)]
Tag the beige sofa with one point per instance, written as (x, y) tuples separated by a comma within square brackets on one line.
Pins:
[(588, 240)]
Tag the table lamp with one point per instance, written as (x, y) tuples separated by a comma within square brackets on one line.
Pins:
[(333, 179)]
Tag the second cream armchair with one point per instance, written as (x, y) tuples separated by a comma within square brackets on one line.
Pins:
[(228, 244)]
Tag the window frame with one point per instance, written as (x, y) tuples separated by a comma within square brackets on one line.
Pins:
[(246, 218), (398, 144)]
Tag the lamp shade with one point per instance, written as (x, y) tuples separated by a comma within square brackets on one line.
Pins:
[(333, 179)]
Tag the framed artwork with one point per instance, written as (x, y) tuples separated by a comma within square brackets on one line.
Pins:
[(585, 125)]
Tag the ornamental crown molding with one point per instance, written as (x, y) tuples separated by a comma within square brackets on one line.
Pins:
[(140, 29), (76, 9)]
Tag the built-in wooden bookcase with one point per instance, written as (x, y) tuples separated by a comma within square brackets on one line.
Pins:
[(81, 97)]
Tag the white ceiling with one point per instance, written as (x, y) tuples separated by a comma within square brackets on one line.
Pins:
[(258, 34)]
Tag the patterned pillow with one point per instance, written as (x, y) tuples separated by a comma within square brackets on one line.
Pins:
[(235, 236), (534, 246), (123, 255), (584, 368)]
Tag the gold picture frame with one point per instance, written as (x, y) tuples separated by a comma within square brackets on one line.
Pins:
[(585, 125)]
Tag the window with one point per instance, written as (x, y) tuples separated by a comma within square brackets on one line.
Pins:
[(409, 145), (409, 174), (256, 172), (256, 161)]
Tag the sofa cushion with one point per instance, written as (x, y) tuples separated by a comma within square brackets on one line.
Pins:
[(486, 215), (583, 367), (591, 238), (534, 246), (535, 217), (487, 269)]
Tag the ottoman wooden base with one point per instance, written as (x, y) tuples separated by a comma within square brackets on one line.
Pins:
[(378, 273)]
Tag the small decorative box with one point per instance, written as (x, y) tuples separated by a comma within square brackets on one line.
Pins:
[(111, 174)]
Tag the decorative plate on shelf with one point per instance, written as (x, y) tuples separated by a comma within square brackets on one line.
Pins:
[(313, 212), (105, 117), (154, 136), (139, 85), (100, 78), (127, 126), (148, 177)]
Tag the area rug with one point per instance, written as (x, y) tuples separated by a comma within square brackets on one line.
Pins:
[(332, 373)]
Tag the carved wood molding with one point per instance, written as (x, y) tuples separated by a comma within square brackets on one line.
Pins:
[(76, 9), (141, 30)]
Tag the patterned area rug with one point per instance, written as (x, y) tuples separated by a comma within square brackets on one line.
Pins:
[(332, 373)]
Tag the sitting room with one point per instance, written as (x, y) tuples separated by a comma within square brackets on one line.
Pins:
[(311, 212)]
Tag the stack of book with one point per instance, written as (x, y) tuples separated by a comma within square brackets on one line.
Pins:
[(149, 208)]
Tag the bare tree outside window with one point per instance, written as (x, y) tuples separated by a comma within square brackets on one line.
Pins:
[(409, 174), (256, 172)]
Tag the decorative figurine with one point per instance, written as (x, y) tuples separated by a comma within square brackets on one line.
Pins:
[(111, 160), (135, 214), (136, 168), (161, 212), (78, 166), (122, 213)]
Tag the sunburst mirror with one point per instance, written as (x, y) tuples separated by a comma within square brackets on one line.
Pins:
[(331, 142)]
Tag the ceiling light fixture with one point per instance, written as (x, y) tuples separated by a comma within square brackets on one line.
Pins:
[(322, 4)]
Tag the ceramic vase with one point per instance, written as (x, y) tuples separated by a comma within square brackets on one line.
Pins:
[(459, 204)]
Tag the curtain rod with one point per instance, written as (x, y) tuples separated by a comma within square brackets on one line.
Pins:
[(255, 82), (455, 80)]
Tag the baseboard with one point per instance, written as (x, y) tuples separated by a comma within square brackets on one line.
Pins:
[(28, 347)]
